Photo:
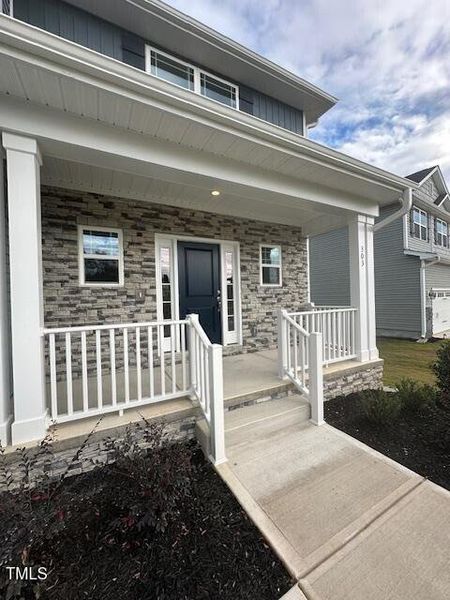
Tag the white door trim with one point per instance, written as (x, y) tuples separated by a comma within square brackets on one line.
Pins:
[(170, 240)]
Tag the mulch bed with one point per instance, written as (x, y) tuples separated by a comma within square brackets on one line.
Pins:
[(211, 551), (420, 442)]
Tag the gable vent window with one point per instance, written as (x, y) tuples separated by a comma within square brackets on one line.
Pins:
[(419, 227), (191, 78), (441, 233)]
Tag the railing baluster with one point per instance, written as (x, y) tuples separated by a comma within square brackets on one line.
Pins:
[(295, 349), (183, 354), (126, 365), (162, 365), (112, 356), (150, 361), (138, 363), (69, 384), (84, 374), (98, 355), (172, 358), (53, 376)]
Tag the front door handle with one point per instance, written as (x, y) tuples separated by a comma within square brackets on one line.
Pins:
[(219, 300)]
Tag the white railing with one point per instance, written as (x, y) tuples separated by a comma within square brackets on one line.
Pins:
[(206, 372), (300, 360), (439, 292), (7, 7), (337, 326), (99, 369)]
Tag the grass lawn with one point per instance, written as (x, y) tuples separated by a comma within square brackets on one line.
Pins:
[(407, 358)]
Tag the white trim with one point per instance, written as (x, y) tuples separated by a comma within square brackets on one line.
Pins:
[(279, 267), (438, 233), (82, 256), (224, 245), (197, 72), (308, 272)]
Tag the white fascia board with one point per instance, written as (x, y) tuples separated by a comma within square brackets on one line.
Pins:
[(59, 56), (86, 141)]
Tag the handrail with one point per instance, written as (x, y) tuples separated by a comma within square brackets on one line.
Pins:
[(201, 332), (77, 329), (288, 318)]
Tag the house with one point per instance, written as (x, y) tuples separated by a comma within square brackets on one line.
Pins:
[(412, 264), (160, 190)]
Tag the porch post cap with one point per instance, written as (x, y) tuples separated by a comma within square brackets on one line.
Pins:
[(21, 143)]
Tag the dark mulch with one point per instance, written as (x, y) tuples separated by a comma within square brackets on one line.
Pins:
[(211, 551), (420, 441)]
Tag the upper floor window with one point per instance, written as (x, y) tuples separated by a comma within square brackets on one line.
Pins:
[(441, 233), (192, 78), (419, 227)]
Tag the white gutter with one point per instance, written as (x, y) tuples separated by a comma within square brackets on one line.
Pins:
[(406, 201), (423, 292)]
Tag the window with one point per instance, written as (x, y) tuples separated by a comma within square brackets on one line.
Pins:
[(441, 233), (101, 256), (230, 298), (176, 71), (171, 69), (270, 260), (218, 90), (165, 262), (419, 224)]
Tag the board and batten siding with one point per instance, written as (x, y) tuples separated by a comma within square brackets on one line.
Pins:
[(95, 33), (397, 282), (330, 268)]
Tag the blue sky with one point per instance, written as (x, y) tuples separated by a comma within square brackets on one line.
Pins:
[(388, 62)]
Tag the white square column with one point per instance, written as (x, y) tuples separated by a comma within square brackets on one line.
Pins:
[(24, 210), (362, 286), (5, 338)]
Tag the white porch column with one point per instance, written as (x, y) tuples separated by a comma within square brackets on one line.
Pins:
[(24, 209), (5, 341), (362, 286)]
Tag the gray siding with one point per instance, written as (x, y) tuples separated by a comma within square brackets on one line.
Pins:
[(397, 283), (90, 31), (330, 268), (437, 276)]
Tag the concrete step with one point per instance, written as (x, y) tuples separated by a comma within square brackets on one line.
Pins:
[(270, 414)]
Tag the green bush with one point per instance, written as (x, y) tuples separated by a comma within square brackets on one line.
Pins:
[(441, 368), (414, 396), (380, 407)]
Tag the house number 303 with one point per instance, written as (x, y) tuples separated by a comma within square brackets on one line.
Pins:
[(363, 256)]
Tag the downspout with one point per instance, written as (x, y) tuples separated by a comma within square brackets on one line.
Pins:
[(423, 294), (406, 201)]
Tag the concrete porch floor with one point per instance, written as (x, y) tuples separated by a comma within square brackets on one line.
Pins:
[(349, 523), (245, 376)]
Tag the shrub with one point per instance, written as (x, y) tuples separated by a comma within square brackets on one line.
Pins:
[(379, 407), (441, 368), (415, 397)]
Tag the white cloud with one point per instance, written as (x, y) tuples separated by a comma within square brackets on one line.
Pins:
[(387, 60)]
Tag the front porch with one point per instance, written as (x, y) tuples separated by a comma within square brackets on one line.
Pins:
[(248, 379)]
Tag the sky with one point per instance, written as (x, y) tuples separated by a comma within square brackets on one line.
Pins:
[(388, 62)]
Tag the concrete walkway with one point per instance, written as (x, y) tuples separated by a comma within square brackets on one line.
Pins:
[(349, 523)]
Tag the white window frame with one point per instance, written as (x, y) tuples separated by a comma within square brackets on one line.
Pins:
[(421, 226), (197, 75), (163, 240), (261, 265), (82, 256), (443, 235)]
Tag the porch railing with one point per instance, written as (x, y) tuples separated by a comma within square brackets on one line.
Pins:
[(100, 369), (300, 360), (337, 326)]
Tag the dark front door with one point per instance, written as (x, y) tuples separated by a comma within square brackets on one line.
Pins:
[(199, 285)]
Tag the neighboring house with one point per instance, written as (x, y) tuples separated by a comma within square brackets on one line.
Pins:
[(155, 169), (412, 264)]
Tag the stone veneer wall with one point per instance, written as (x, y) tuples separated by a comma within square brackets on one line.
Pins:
[(354, 379), (67, 304)]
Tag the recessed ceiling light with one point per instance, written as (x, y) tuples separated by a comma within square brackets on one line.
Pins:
[(215, 193)]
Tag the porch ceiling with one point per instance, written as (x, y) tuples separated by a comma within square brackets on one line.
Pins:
[(143, 134)]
